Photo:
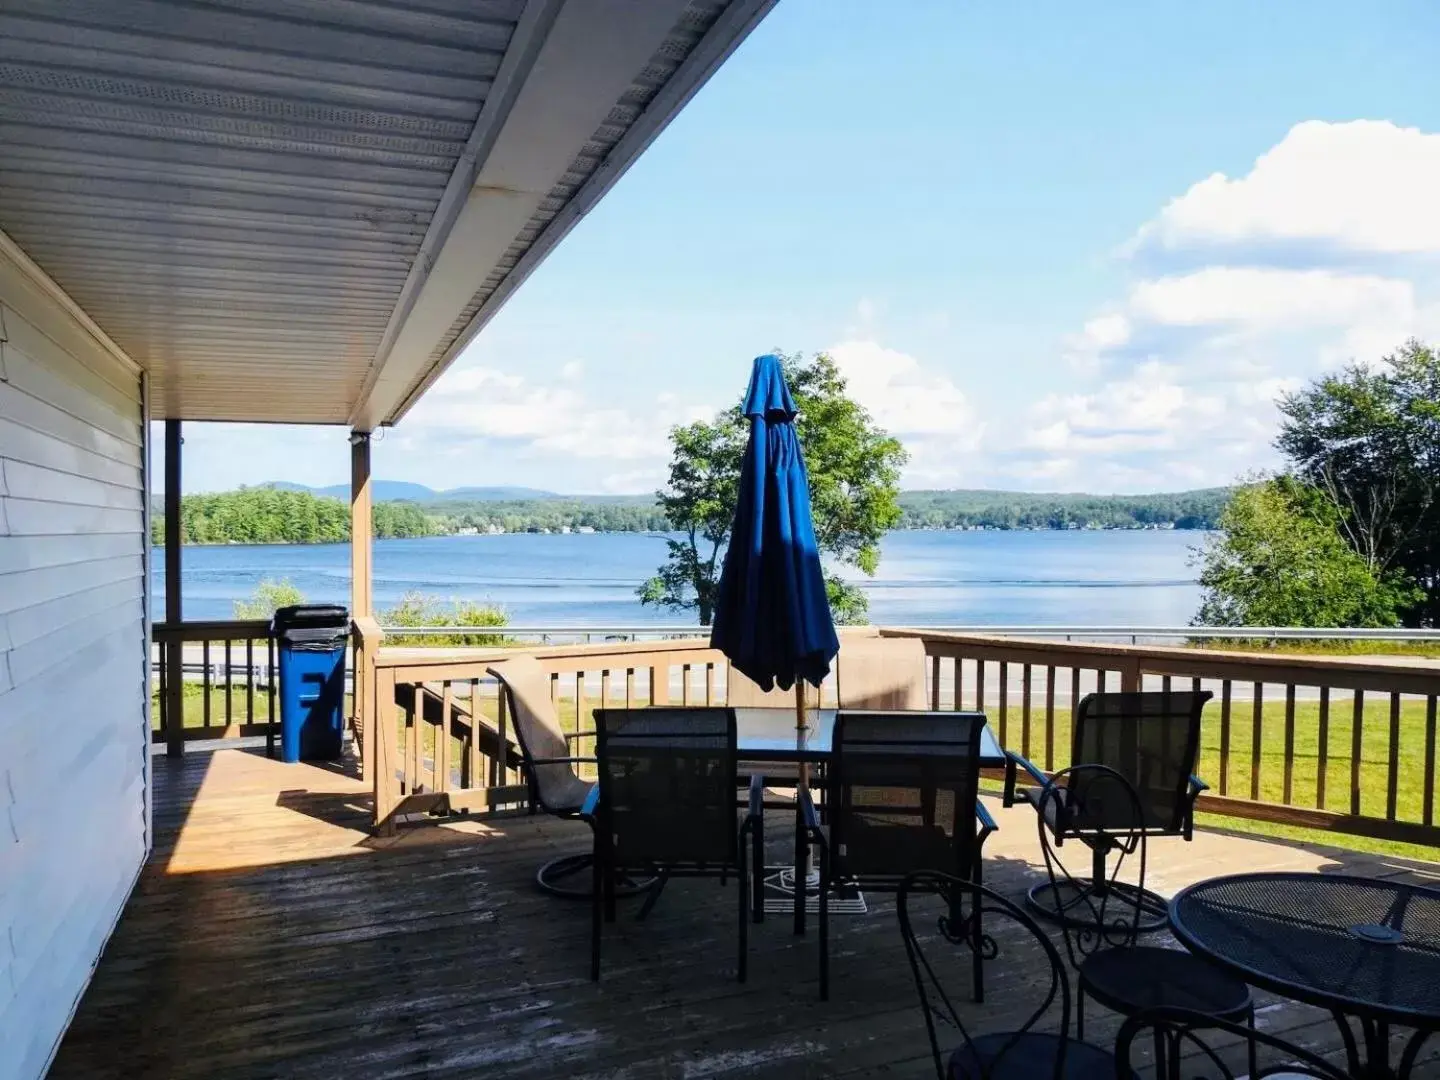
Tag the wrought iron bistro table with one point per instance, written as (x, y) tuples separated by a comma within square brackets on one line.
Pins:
[(1360, 947), (764, 734)]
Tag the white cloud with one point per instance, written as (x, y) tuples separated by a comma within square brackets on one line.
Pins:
[(1363, 186), (546, 419), (925, 409), (1327, 251), (1266, 297)]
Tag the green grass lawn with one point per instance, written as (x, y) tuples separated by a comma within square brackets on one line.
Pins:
[(1373, 773), (239, 705)]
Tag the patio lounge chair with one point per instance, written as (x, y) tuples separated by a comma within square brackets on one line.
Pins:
[(549, 764), (1152, 740), (901, 797), (666, 807), (1099, 807), (1040, 1046)]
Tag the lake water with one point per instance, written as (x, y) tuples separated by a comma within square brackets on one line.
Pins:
[(925, 578)]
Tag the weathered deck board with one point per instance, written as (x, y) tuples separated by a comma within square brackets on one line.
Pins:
[(271, 936)]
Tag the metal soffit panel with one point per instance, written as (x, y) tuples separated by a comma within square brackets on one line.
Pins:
[(237, 191)]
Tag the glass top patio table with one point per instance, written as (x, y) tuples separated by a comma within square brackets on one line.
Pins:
[(769, 734)]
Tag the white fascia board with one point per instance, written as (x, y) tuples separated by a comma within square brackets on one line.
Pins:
[(590, 56)]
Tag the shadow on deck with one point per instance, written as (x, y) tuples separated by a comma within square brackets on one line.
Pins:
[(271, 936)]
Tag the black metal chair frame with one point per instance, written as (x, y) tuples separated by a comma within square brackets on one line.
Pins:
[(937, 1005), (1083, 892), (1177, 1028), (607, 867), (551, 876), (1092, 803), (823, 830)]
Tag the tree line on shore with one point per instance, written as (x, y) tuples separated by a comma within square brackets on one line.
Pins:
[(278, 516)]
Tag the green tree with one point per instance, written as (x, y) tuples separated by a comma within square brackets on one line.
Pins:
[(268, 597), (1369, 439), (417, 609), (1278, 559), (854, 471)]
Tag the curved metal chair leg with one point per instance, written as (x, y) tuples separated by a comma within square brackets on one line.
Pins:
[(1076, 904), (572, 877)]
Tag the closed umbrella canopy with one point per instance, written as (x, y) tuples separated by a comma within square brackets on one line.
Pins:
[(772, 617)]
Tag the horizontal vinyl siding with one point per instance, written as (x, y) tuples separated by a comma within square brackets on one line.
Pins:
[(74, 721)]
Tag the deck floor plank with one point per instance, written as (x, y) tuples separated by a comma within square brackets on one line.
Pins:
[(271, 936)]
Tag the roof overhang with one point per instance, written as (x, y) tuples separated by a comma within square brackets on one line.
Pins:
[(302, 211)]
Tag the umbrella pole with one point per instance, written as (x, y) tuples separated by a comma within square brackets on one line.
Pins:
[(803, 868)]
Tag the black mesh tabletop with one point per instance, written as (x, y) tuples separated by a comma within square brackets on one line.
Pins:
[(1361, 946)]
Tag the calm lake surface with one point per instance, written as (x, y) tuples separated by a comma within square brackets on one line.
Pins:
[(925, 578)]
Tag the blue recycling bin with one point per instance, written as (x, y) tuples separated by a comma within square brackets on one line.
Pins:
[(311, 640)]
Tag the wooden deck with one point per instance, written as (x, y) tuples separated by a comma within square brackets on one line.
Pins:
[(271, 936)]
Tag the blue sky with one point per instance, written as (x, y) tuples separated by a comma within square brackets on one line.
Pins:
[(1053, 245)]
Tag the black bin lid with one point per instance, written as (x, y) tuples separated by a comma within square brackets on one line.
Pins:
[(311, 617)]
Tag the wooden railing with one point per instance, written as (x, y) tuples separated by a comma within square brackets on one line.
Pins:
[(1342, 744), (437, 737), (227, 681)]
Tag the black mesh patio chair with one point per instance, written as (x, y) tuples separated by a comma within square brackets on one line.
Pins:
[(1152, 740), (1193, 1049), (1092, 804), (666, 807), (902, 796), (1036, 1042), (549, 765)]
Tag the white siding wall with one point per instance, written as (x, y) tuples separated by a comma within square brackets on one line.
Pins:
[(73, 717)]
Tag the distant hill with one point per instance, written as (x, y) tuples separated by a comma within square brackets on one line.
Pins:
[(403, 491)]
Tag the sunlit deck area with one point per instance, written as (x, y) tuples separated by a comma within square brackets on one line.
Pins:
[(273, 935)]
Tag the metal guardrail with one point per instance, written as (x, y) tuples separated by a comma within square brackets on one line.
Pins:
[(1133, 634)]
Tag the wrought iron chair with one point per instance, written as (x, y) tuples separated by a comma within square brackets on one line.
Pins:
[(902, 796), (1040, 1047), (555, 786), (1097, 806), (1152, 740), (1196, 1058), (666, 807)]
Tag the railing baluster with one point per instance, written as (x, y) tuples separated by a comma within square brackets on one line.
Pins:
[(605, 689), (1256, 724), (1100, 674), (1392, 778), (249, 680), (1025, 688), (1288, 786), (1165, 684), (935, 683), (1322, 756), (469, 772), (956, 667), (1050, 717), (709, 683), (442, 743), (229, 717), (685, 685), (500, 764), (1225, 694), (204, 683), (980, 685), (1074, 713), (630, 688), (1004, 698), (1357, 748), (1428, 810)]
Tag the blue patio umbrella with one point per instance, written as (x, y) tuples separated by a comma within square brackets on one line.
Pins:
[(772, 617)]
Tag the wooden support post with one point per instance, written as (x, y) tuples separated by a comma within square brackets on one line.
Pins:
[(361, 527), (174, 610)]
